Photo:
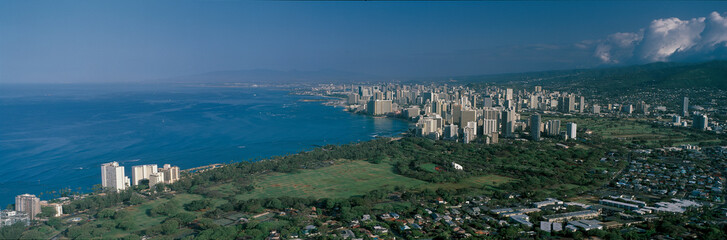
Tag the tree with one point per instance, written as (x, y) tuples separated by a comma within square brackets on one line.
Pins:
[(169, 227), (197, 205), (168, 208), (47, 211), (12, 232), (125, 224), (33, 234), (185, 218), (106, 213), (54, 222)]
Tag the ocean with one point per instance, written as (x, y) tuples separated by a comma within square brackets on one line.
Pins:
[(56, 137)]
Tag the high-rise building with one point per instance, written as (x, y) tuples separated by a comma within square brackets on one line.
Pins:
[(571, 129), (489, 113), (642, 108), (685, 107), (535, 127), (508, 123), (538, 88), (156, 178), (379, 107), (701, 122), (582, 105), (489, 127), (28, 203), (429, 97), (469, 132), (596, 109), (457, 114), (170, 173), (112, 176), (412, 111), (628, 109), (451, 131), (508, 94), (468, 116), (533, 102), (487, 102), (142, 172), (567, 104), (429, 126), (553, 127)]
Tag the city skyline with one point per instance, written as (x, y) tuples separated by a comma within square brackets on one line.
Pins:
[(225, 119)]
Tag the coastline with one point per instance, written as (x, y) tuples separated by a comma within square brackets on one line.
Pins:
[(48, 191)]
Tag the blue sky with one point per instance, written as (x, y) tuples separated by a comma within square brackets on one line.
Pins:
[(107, 41)]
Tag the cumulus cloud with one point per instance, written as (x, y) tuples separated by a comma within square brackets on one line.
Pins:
[(667, 39), (618, 46)]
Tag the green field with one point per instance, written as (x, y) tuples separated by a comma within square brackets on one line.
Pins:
[(636, 130), (429, 167), (338, 181), (142, 220), (346, 179)]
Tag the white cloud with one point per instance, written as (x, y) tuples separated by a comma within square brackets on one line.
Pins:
[(715, 31), (665, 39), (617, 46)]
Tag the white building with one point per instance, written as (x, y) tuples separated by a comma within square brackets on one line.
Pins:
[(469, 132), (571, 130), (154, 178), (112, 176), (8, 218), (489, 126), (27, 203), (171, 174), (457, 166), (142, 172)]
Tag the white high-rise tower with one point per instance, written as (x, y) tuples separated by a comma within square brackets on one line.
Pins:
[(112, 176)]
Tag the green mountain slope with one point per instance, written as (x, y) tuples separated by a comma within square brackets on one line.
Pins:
[(655, 75)]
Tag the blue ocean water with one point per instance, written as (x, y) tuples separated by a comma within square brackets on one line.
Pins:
[(57, 136)]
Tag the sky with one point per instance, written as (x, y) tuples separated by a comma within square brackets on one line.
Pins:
[(131, 41)]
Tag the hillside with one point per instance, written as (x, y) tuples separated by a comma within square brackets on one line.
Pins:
[(655, 75)]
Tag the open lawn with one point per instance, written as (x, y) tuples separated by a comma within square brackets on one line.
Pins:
[(429, 167), (633, 130), (341, 180), (346, 179)]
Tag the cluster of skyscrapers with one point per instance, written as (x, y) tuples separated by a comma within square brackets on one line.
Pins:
[(460, 113), (113, 176)]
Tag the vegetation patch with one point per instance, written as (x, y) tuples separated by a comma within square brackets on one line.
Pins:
[(341, 180)]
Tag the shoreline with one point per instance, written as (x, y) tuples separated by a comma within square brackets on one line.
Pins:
[(69, 190)]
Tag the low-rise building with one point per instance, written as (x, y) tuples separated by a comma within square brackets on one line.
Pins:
[(8, 218), (562, 217)]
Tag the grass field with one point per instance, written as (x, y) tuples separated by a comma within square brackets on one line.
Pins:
[(346, 179), (142, 220), (342, 180), (429, 167), (634, 130)]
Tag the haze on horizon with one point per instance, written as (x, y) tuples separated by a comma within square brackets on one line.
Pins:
[(129, 41)]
